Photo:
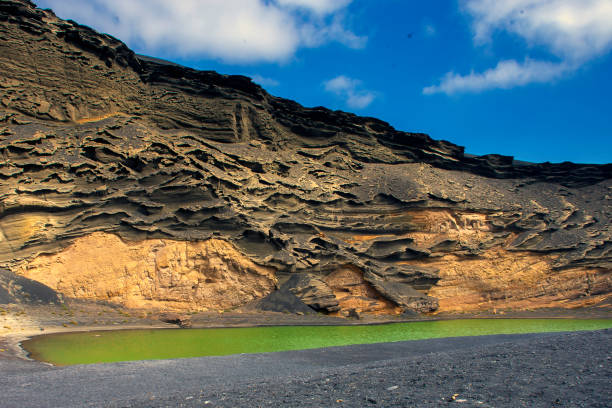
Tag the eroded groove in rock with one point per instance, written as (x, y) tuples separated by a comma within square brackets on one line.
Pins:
[(96, 139)]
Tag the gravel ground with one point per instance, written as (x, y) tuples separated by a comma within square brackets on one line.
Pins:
[(535, 370)]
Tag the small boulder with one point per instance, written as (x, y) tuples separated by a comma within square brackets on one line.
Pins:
[(283, 301), (353, 314), (182, 321), (313, 291)]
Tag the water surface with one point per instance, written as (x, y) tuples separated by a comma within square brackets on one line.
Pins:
[(125, 345)]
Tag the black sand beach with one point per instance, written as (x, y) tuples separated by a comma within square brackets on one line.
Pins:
[(533, 370)]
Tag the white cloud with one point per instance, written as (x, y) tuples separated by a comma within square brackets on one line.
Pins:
[(316, 6), (505, 75), (360, 100), (314, 35), (349, 89), (263, 81), (238, 31), (341, 83), (574, 31)]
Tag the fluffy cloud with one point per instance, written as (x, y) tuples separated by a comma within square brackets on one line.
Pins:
[(314, 35), (349, 89), (264, 81), (238, 31), (574, 31), (316, 6), (507, 74)]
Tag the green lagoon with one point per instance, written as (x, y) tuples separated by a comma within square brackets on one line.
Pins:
[(125, 345)]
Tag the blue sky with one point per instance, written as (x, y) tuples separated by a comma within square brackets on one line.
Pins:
[(527, 78)]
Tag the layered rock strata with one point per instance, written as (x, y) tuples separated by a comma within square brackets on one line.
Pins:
[(170, 176)]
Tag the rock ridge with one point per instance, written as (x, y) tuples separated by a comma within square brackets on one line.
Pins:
[(316, 123)]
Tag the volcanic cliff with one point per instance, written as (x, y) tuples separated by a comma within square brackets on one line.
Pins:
[(128, 179)]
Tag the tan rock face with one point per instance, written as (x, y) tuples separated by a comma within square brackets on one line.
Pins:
[(477, 271), (499, 279), (162, 273), (435, 226), (353, 292)]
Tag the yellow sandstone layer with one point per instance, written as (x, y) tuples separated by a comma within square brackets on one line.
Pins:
[(500, 279), (157, 273)]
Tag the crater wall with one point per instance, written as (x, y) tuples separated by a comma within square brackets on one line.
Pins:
[(115, 159)]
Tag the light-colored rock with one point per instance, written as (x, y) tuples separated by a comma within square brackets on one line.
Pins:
[(500, 279), (160, 273)]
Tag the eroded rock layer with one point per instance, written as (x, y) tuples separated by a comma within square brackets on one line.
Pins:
[(189, 175)]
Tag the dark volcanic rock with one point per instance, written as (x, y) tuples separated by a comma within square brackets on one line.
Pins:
[(98, 140), (283, 301), (182, 321), (313, 291), (17, 289), (405, 295)]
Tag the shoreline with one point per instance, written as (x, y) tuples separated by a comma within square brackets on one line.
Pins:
[(11, 343), (424, 371), (536, 370), (23, 322), (14, 347)]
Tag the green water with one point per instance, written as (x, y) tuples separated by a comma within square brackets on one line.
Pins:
[(124, 345)]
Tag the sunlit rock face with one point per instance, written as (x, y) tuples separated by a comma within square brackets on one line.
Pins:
[(154, 273), (110, 156)]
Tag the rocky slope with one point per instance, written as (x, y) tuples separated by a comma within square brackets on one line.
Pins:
[(128, 179)]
